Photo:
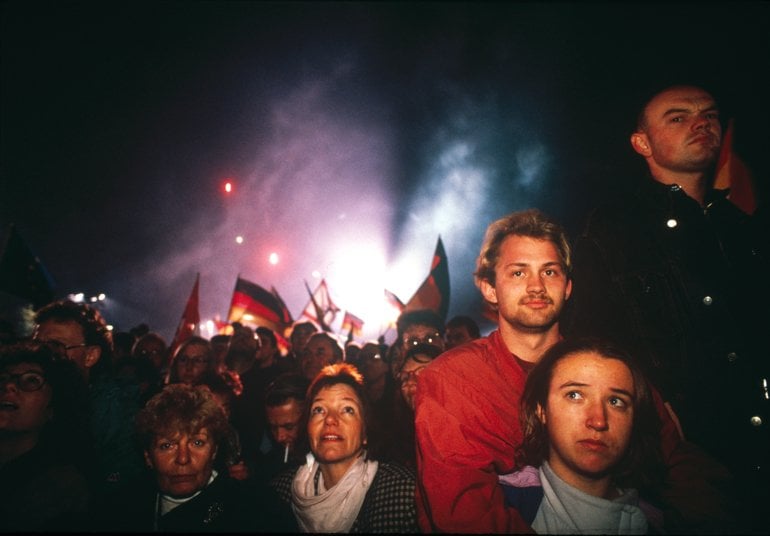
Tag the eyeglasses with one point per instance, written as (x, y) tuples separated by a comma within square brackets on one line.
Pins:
[(410, 375), (429, 339), (194, 360), (26, 381)]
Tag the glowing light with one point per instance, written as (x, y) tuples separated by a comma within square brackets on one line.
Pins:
[(316, 274), (77, 298), (102, 296), (228, 187), (273, 258), (239, 239)]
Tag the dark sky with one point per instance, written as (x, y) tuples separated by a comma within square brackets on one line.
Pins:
[(355, 134)]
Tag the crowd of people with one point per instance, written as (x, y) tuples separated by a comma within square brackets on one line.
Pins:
[(624, 390)]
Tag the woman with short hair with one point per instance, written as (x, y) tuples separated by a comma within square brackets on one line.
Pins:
[(339, 488)]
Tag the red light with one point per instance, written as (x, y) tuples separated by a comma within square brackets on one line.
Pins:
[(228, 187)]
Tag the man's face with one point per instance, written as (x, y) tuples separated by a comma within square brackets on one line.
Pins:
[(531, 286), (266, 350), (152, 348), (457, 335), (421, 334), (182, 462), (317, 354), (589, 416), (284, 421), (682, 132), (70, 334), (300, 337)]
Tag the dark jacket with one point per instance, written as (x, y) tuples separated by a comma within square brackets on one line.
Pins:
[(685, 289), (225, 505)]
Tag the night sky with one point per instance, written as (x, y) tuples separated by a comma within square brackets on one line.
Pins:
[(355, 134)]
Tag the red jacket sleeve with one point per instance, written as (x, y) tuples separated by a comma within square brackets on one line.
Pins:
[(466, 432)]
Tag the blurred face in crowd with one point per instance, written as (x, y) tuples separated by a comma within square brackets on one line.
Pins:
[(589, 416), (300, 336), (153, 348), (457, 335), (24, 399), (191, 363), (374, 370), (407, 378), (317, 354), (182, 462), (421, 334), (336, 427), (531, 286), (284, 422), (70, 334)]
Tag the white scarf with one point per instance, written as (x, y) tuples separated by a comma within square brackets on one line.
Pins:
[(335, 509)]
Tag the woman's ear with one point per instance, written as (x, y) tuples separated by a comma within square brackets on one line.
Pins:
[(540, 412)]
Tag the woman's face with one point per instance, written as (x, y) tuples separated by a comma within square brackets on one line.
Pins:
[(24, 399), (182, 462), (589, 416), (192, 362), (336, 426)]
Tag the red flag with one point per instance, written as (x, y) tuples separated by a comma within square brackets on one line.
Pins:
[(733, 174), (191, 318), (320, 309), (434, 292), (352, 324), (252, 304)]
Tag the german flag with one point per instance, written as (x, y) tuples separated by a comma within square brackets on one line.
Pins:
[(252, 304)]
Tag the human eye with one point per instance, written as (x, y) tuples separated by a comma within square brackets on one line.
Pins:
[(551, 272), (350, 410), (199, 442), (316, 410), (517, 273), (676, 119), (619, 402), (574, 395), (32, 381), (164, 445)]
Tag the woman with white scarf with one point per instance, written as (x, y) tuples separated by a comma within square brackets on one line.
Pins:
[(339, 488), (590, 424)]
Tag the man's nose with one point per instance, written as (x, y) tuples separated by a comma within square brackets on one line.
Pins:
[(182, 453), (535, 283)]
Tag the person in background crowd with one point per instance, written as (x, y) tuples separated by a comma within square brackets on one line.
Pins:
[(656, 270), (284, 407), (321, 350), (300, 335), (43, 440), (421, 326), (461, 329), (183, 431), (220, 344), (339, 488), (154, 347), (248, 413), (83, 332), (400, 443), (192, 360), (591, 428)]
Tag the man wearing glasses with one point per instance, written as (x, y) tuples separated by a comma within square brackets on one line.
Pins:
[(87, 340)]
